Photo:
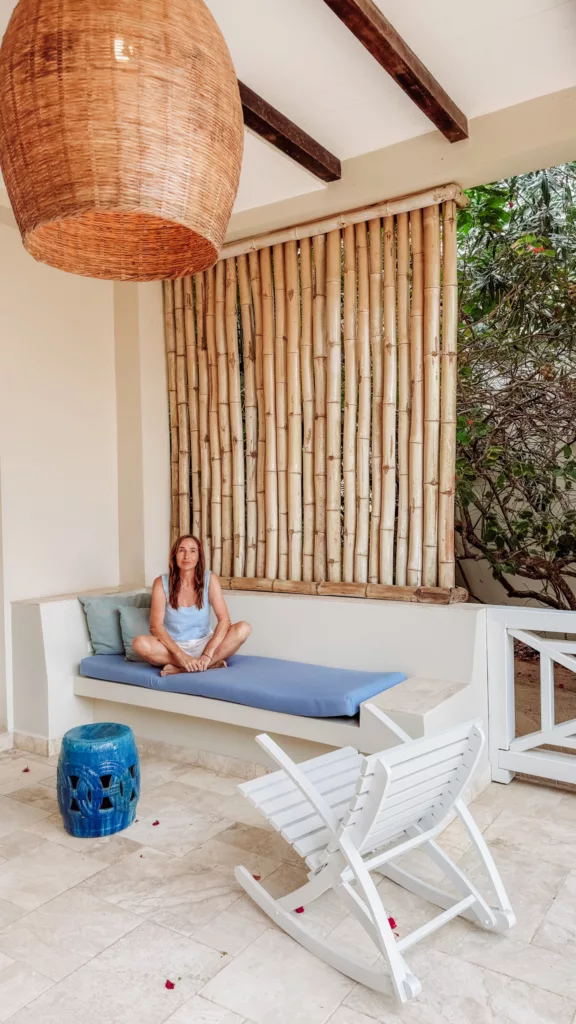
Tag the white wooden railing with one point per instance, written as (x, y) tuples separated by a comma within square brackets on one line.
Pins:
[(510, 754)]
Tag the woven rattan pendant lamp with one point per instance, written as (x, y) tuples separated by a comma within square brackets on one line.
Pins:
[(121, 135)]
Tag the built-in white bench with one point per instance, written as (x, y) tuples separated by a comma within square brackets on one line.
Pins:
[(419, 701), (442, 650)]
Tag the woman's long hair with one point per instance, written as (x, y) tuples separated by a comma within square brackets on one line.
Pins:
[(174, 578)]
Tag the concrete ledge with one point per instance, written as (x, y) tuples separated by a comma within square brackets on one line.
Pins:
[(421, 706), (329, 731), (425, 706)]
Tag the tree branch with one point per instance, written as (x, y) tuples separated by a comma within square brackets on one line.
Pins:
[(528, 594)]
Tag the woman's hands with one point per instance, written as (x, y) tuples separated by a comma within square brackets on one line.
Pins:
[(189, 664)]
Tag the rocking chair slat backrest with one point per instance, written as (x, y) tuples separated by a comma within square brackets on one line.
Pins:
[(288, 800), (340, 801), (316, 767), (322, 776), (413, 784), (399, 797)]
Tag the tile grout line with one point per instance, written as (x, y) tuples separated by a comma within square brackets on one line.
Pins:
[(502, 974), (141, 921), (231, 957)]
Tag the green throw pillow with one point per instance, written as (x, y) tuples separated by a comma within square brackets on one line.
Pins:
[(103, 617), (133, 622)]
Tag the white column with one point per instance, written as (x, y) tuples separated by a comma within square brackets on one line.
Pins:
[(143, 436), (155, 431)]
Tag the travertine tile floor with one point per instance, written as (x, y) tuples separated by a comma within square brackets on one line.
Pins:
[(91, 931)]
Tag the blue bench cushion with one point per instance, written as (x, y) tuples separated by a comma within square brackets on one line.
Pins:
[(291, 687)]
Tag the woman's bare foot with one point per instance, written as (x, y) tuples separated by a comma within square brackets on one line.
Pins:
[(171, 670)]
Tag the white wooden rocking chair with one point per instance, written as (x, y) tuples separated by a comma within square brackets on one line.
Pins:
[(348, 815)]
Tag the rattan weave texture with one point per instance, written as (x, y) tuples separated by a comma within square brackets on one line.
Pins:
[(121, 135)]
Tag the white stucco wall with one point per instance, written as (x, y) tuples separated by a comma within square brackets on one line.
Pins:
[(58, 452), (143, 434)]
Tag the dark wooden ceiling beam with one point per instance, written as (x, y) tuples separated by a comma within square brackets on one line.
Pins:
[(366, 21), (261, 117)]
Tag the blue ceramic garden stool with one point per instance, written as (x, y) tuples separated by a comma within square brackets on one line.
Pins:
[(98, 779)]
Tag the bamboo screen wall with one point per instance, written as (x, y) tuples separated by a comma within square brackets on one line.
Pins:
[(312, 388)]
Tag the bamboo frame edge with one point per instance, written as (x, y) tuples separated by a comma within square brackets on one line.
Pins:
[(368, 591), (387, 208)]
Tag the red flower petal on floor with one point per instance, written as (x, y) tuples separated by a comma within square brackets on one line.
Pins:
[(169, 984), (25, 769), (155, 823), (299, 910), (392, 923), (257, 878)]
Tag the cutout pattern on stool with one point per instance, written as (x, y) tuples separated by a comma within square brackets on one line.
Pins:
[(112, 787)]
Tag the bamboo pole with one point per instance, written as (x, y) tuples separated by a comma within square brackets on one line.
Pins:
[(375, 228), (281, 413), (294, 403), (271, 474), (241, 583), (203, 417), (333, 405), (192, 374), (342, 589), (170, 336), (224, 419), (319, 333), (364, 388), (256, 286), (250, 413), (446, 564), (293, 587), (403, 425), (389, 208), (371, 591), (236, 423), (414, 574), (403, 399), (389, 408), (420, 595), (307, 367), (213, 423), (183, 421), (350, 406), (431, 391)]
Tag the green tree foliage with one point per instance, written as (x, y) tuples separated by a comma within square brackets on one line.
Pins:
[(516, 468)]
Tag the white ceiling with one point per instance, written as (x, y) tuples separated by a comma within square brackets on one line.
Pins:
[(299, 57)]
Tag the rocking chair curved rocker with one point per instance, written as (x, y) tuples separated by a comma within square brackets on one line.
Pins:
[(348, 815)]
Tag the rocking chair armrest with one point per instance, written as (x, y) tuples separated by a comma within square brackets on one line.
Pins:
[(299, 779), (387, 721)]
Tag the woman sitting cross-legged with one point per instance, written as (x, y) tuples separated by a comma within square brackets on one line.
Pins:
[(182, 640)]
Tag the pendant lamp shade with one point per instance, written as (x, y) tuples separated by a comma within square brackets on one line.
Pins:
[(121, 135)]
